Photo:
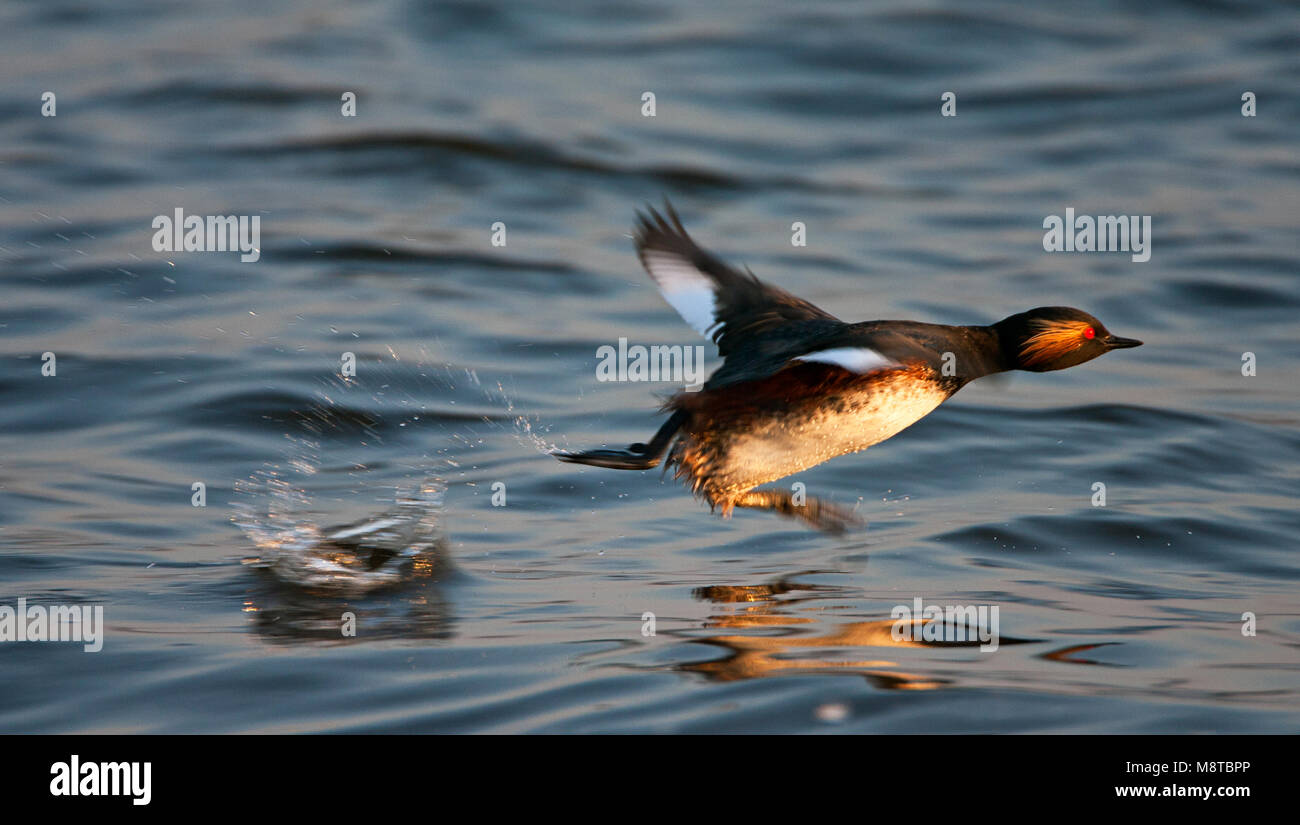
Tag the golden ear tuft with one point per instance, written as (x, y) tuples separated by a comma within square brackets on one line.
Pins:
[(1053, 340)]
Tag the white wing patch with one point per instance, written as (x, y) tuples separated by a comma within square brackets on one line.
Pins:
[(689, 290), (853, 359)]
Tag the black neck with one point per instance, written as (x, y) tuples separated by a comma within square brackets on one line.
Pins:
[(990, 352)]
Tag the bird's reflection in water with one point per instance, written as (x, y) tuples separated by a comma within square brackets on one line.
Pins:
[(1070, 655), (773, 606), (377, 578)]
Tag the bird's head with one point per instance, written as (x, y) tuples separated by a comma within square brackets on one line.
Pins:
[(1053, 338)]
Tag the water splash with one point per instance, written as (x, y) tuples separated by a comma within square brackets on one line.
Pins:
[(286, 509), (400, 544), (527, 428), (289, 510)]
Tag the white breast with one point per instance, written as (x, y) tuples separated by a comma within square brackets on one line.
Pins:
[(785, 443)]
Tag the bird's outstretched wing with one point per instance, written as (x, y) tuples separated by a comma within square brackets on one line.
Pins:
[(719, 302)]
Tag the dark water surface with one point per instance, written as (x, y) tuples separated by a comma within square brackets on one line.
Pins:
[(475, 360)]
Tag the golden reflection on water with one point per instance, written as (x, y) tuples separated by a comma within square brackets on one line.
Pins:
[(769, 607)]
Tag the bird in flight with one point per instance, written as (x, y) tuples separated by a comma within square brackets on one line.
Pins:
[(798, 386)]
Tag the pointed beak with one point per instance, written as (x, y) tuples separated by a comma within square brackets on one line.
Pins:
[(1115, 342)]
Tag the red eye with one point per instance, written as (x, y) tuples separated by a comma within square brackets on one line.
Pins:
[(1090, 333)]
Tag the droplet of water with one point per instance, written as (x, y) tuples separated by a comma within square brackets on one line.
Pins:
[(832, 712)]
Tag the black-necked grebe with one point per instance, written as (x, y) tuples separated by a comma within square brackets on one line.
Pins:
[(798, 386)]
